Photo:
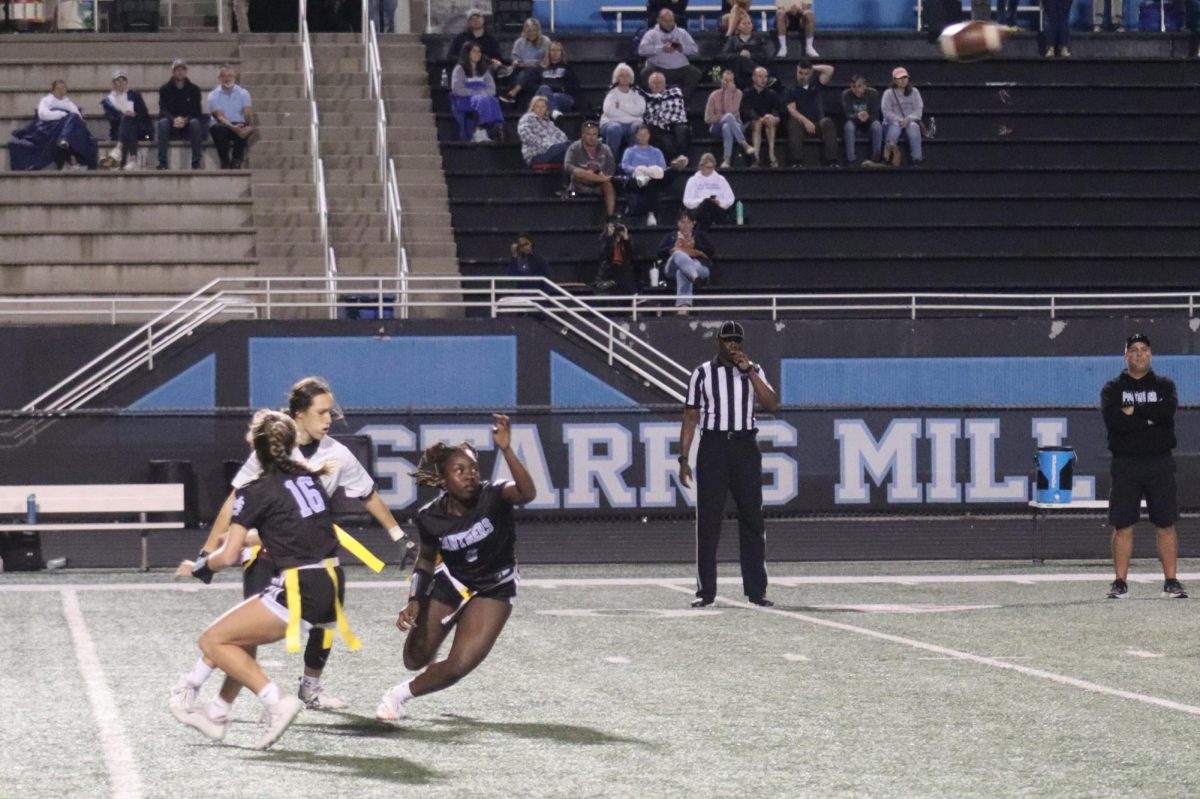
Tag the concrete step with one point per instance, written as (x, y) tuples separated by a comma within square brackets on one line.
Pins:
[(425, 223), (300, 175), (117, 215), (413, 187), (413, 51), (365, 163), (160, 187), (123, 48), (119, 275), (378, 249), (18, 247), (86, 76), (259, 77), (430, 265), (391, 91)]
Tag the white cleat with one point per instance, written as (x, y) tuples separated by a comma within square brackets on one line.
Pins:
[(183, 696), (390, 707), (277, 719), (317, 699), (213, 728)]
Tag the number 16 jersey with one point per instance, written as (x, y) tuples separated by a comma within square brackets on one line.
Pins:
[(292, 515)]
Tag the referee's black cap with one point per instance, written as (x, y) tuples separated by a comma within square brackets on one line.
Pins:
[(732, 329), (1135, 338)]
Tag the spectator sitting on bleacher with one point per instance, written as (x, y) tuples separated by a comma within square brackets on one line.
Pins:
[(58, 136), (732, 14), (678, 9), (473, 96), (806, 114), (541, 140), (723, 113), (590, 165), (525, 262), (744, 51), (902, 111), (615, 270), (666, 48), (530, 54), (624, 108), (476, 33), (687, 255), (666, 115), (648, 173), (762, 108), (128, 120), (707, 194), (795, 14), (560, 86), (232, 119), (179, 114), (860, 104)]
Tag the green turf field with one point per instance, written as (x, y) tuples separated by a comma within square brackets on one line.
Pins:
[(962, 679)]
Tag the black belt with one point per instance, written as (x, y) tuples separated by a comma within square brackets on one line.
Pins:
[(732, 435)]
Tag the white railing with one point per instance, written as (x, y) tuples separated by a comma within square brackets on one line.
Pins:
[(314, 143), (395, 232), (387, 166)]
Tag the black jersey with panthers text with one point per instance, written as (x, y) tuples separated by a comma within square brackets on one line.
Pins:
[(292, 515), (476, 545)]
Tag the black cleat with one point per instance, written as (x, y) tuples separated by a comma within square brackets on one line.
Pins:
[(761, 601), (1173, 589), (701, 602), (1118, 590)]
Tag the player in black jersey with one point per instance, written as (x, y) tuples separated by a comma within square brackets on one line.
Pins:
[(466, 572), (312, 406), (290, 508)]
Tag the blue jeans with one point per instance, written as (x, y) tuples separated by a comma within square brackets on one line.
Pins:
[(557, 101), (618, 136), (850, 132), (729, 128), (687, 270), (1056, 29), (554, 155), (912, 133), (384, 14), (193, 130)]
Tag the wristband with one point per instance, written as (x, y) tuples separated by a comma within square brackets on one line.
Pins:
[(395, 532), (682, 459), (421, 585), (200, 569)]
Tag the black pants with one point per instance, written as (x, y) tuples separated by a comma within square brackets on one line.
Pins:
[(223, 136), (724, 466)]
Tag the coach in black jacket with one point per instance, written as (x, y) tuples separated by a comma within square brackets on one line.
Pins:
[(1139, 412), (180, 114)]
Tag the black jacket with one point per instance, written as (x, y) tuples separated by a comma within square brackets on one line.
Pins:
[(488, 45), (174, 101), (699, 237), (1150, 429)]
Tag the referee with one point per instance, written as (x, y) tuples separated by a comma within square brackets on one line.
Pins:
[(720, 399), (1139, 413)]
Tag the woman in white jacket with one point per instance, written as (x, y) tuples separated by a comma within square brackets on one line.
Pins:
[(624, 107), (707, 194)]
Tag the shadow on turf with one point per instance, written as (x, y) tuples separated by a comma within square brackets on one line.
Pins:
[(450, 728), (387, 769)]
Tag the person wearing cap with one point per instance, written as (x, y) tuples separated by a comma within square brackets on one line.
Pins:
[(179, 114), (232, 119), (720, 401), (128, 120), (806, 113), (902, 109), (475, 33), (1139, 412)]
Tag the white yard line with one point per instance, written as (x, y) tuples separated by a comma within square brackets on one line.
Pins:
[(576, 582), (1041, 674), (122, 768)]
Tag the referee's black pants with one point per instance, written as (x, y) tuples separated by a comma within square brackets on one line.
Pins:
[(729, 465)]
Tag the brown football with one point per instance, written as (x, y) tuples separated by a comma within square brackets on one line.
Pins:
[(968, 41)]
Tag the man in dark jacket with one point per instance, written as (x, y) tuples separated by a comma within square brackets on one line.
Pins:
[(1139, 412), (179, 114), (476, 34)]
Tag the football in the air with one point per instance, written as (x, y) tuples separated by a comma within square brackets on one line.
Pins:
[(968, 41)]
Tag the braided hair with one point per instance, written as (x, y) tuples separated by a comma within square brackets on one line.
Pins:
[(272, 435), (433, 462)]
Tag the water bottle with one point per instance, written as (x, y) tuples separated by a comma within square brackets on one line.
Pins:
[(931, 130), (739, 212), (654, 276), (56, 563), (445, 78), (715, 73), (31, 508)]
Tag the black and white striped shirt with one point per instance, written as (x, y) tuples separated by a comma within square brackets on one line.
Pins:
[(724, 396)]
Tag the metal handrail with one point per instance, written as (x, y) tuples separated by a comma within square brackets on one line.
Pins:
[(387, 166), (395, 230), (314, 142)]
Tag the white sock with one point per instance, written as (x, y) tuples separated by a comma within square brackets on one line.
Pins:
[(218, 708), (808, 42), (309, 683), (783, 40), (269, 694), (199, 673), (404, 692)]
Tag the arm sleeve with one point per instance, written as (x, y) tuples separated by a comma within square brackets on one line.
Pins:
[(650, 43), (691, 193), (725, 196), (251, 470), (458, 82), (693, 394), (246, 512), (1110, 409), (427, 538), (1163, 411), (890, 108), (918, 109), (47, 112), (352, 476), (489, 84), (848, 104), (690, 47)]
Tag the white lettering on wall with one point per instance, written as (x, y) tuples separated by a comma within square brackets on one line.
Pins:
[(895, 453)]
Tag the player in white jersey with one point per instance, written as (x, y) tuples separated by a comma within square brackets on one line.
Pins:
[(311, 404)]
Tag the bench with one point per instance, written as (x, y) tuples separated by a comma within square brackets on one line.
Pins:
[(89, 500), (1023, 8), (764, 11)]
